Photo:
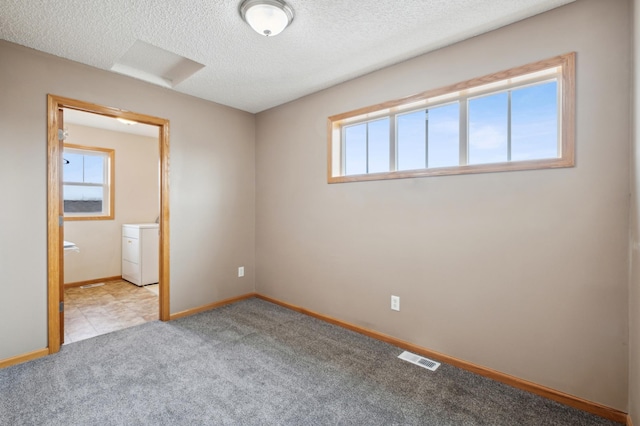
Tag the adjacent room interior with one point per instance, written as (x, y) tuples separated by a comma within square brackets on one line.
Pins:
[(109, 282), (529, 276)]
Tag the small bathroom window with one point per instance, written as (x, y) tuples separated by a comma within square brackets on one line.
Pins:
[(88, 182)]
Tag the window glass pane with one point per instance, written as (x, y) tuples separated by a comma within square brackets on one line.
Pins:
[(379, 146), (513, 120), (94, 168), (488, 129), (534, 122), (355, 149), (72, 171), (412, 150), (87, 168), (444, 136), (82, 199)]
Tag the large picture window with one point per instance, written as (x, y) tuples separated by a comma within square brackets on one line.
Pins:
[(87, 187), (519, 119)]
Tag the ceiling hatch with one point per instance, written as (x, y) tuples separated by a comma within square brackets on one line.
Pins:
[(155, 65)]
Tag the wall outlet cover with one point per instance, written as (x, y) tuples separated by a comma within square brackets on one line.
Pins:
[(395, 303)]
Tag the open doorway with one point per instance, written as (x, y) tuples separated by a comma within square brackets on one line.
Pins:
[(111, 187), (55, 222)]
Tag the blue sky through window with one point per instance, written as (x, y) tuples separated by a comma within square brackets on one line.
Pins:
[(534, 125), (355, 150), (379, 146), (534, 122), (488, 121), (82, 168), (367, 147), (412, 147), (430, 138), (444, 136)]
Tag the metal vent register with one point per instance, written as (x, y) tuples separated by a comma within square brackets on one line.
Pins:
[(420, 361)]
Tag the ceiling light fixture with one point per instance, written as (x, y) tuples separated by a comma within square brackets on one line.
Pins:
[(127, 122), (266, 17)]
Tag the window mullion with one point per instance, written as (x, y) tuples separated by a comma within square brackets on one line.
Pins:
[(560, 114), (366, 147), (426, 138), (393, 143), (343, 151), (464, 129), (509, 125), (106, 188)]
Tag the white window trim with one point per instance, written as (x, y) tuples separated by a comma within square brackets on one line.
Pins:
[(560, 67)]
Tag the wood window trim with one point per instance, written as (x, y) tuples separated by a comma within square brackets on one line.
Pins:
[(335, 124), (112, 184)]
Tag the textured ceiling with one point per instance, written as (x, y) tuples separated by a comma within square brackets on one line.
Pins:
[(328, 42)]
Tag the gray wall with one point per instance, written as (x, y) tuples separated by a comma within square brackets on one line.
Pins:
[(634, 281), (212, 190), (522, 272)]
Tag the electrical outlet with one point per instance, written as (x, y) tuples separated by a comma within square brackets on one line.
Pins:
[(241, 271), (395, 303)]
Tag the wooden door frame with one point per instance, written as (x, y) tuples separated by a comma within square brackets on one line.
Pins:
[(54, 236)]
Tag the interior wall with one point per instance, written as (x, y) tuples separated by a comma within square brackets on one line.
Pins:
[(211, 178), (634, 279), (137, 200), (522, 272)]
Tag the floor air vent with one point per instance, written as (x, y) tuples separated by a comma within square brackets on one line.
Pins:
[(420, 361), (92, 285)]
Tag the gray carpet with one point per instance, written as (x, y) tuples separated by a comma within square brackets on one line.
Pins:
[(255, 363)]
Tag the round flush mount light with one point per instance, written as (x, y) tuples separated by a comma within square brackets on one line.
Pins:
[(266, 17), (127, 122)]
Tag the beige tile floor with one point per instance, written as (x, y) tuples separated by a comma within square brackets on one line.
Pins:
[(98, 310)]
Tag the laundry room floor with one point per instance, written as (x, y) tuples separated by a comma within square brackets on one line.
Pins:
[(100, 309)]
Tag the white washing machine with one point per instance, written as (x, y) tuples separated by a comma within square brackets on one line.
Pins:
[(141, 253)]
